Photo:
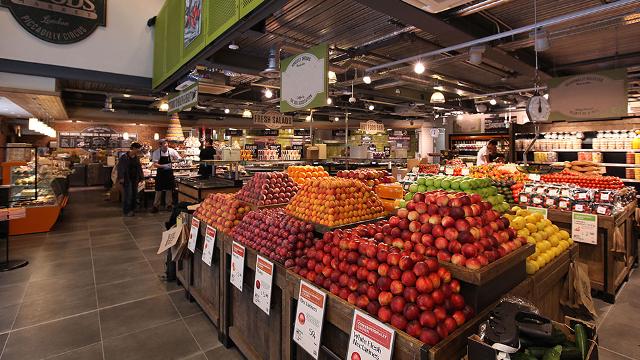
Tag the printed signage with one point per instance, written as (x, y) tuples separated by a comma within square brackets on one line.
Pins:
[(464, 171), (304, 80), (95, 138), (233, 132), (59, 21), (192, 20), (277, 148), (185, 99), (170, 238), (584, 228), (534, 177), (370, 339), (253, 148), (193, 234), (262, 286), (237, 265), (302, 132), (372, 127), (209, 244), (273, 120), (534, 209), (309, 318)]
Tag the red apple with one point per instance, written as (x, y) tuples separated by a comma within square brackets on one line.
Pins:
[(428, 319), (410, 294), (429, 337), (458, 259), (398, 321), (424, 285), (451, 234), (384, 298), (457, 301), (396, 287), (384, 314), (469, 251), (473, 264)]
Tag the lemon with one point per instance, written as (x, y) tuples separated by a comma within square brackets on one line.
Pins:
[(564, 235), (546, 245), (548, 256), (531, 219), (538, 216), (541, 262), (531, 240), (555, 227), (546, 222), (540, 225), (570, 240), (518, 223), (523, 232), (549, 230), (537, 236), (531, 227), (532, 267), (554, 239), (516, 208), (522, 213), (543, 235)]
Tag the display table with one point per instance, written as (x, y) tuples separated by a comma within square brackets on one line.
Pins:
[(196, 190)]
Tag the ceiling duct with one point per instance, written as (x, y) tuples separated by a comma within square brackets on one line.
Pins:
[(108, 104), (272, 71), (436, 6), (481, 6)]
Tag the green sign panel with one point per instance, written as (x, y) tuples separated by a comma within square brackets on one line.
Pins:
[(184, 99), (304, 80)]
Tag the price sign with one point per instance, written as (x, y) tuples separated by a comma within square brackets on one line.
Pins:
[(584, 228), (262, 285), (534, 177), (370, 339), (193, 234), (448, 170), (464, 171), (209, 244), (237, 265), (309, 318), (534, 209)]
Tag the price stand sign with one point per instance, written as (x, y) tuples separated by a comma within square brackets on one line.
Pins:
[(533, 209), (370, 339), (584, 228), (209, 244), (237, 265), (464, 171), (193, 234), (534, 177), (309, 318), (262, 286)]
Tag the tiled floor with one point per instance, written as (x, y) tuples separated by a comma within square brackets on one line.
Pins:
[(92, 291)]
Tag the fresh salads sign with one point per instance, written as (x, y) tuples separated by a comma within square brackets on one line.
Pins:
[(273, 120), (304, 80), (59, 21)]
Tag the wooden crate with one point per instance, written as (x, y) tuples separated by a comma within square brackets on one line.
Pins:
[(337, 328)]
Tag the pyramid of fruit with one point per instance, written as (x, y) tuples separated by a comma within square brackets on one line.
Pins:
[(268, 189), (174, 132), (334, 201), (222, 211), (302, 174), (550, 241), (368, 176)]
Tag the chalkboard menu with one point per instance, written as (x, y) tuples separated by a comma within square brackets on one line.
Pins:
[(254, 149), (276, 147), (265, 132), (233, 132), (302, 132), (94, 138)]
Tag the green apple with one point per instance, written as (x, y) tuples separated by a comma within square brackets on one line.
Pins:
[(429, 181), (421, 180), (422, 188), (413, 188), (446, 184), (409, 196)]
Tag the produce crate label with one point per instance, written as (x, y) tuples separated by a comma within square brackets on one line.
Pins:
[(262, 285), (193, 235), (370, 339), (534, 177), (448, 170), (584, 228), (209, 244), (169, 238), (237, 265), (309, 318), (542, 211), (464, 171), (565, 193), (553, 192)]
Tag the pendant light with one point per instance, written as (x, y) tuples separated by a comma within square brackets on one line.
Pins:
[(125, 135), (419, 68), (247, 114), (437, 98), (156, 136), (367, 79)]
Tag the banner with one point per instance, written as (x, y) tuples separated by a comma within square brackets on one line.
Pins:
[(304, 80), (185, 99)]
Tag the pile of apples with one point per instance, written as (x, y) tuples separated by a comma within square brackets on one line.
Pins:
[(454, 227), (302, 174), (274, 234), (268, 189), (369, 177), (335, 201), (222, 211), (400, 287)]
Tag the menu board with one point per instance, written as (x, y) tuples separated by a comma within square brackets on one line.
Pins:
[(301, 132), (276, 147), (94, 138), (265, 132), (253, 148)]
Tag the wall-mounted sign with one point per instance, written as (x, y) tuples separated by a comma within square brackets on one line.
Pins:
[(192, 20), (95, 138), (184, 99), (59, 21), (600, 95), (302, 132), (233, 132), (304, 80), (339, 133), (265, 132), (372, 127), (273, 120)]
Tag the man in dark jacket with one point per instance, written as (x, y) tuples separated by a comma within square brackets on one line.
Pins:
[(208, 153), (129, 176)]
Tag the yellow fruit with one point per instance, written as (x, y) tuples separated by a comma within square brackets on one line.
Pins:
[(532, 228), (537, 236), (538, 216), (531, 240), (516, 208), (540, 225), (549, 230), (570, 240), (564, 235), (564, 244), (555, 227), (543, 234), (531, 219), (517, 223), (546, 222), (522, 212), (548, 256), (523, 232), (554, 239), (541, 262), (532, 267), (546, 245), (508, 216)]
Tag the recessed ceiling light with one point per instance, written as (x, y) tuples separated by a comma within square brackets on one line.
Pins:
[(234, 46), (226, 111), (268, 93), (126, 95), (419, 68)]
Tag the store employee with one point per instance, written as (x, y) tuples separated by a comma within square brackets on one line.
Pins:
[(207, 153), (484, 155), (165, 182)]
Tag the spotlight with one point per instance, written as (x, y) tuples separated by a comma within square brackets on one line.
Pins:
[(419, 68), (234, 46), (493, 101), (366, 79), (268, 93), (226, 111), (164, 106), (329, 101), (336, 119), (156, 136), (371, 107), (352, 99)]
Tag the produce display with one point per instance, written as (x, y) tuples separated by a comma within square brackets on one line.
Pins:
[(498, 172), (268, 188), (222, 211), (335, 201), (400, 287), (428, 168), (509, 189), (592, 182), (454, 227), (302, 174), (549, 240), (583, 168), (274, 234), (369, 177), (390, 194)]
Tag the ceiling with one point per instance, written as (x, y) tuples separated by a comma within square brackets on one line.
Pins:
[(9, 109)]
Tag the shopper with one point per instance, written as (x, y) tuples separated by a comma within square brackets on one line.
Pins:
[(129, 176), (162, 159), (485, 153), (208, 153)]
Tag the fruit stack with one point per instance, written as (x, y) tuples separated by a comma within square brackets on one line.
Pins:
[(266, 189), (549, 240), (274, 234), (369, 177), (390, 194), (335, 202), (591, 182), (403, 288), (222, 211), (454, 227), (498, 172), (505, 189), (302, 174)]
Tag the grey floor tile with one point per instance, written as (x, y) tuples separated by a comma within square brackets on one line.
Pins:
[(606, 354), (91, 352), (128, 290), (56, 306), (203, 330), (115, 249), (184, 306), (168, 341), (61, 268), (12, 294), (58, 285), (149, 241), (200, 356), (224, 353), (7, 316), (120, 257), (136, 316), (120, 272), (615, 330), (55, 254), (3, 340), (112, 239), (53, 338), (158, 266), (17, 276)]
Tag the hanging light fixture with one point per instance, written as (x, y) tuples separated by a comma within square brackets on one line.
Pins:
[(226, 110), (164, 106), (437, 98), (125, 135), (367, 79), (268, 93), (156, 136), (336, 119), (332, 77), (419, 68), (371, 107), (541, 41), (247, 114), (493, 101), (329, 101), (475, 54)]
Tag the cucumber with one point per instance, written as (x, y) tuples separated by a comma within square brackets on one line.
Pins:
[(570, 353), (553, 353), (581, 340)]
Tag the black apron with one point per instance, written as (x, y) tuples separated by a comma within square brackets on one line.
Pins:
[(164, 177)]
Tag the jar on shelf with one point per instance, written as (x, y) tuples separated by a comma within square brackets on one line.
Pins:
[(637, 158), (631, 158), (636, 140), (629, 173)]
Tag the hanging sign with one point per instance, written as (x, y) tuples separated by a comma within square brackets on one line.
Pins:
[(584, 228), (534, 209), (273, 120), (185, 99), (237, 132), (304, 80), (237, 265), (309, 318), (262, 285), (370, 339), (193, 234), (600, 95), (209, 244), (302, 132), (372, 127)]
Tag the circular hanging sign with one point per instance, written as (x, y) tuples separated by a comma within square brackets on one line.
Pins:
[(59, 21)]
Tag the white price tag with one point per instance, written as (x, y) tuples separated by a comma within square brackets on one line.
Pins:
[(464, 171), (309, 318), (370, 339), (448, 170), (534, 177), (237, 265), (542, 211), (209, 244), (193, 234), (262, 286), (584, 228)]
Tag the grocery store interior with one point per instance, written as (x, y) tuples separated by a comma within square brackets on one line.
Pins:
[(338, 179)]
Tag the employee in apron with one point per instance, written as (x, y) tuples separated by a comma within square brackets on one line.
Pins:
[(162, 159)]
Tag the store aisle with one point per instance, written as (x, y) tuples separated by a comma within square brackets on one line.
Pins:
[(92, 291)]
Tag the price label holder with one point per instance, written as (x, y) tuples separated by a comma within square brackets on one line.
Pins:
[(262, 286), (193, 234), (448, 170), (584, 228), (309, 318), (370, 339), (534, 177), (542, 211), (237, 265), (209, 244), (464, 171)]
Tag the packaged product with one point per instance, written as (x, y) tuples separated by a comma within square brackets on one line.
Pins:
[(603, 209), (565, 203), (581, 206), (551, 202), (537, 200)]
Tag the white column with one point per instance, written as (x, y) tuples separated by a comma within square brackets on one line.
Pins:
[(425, 141)]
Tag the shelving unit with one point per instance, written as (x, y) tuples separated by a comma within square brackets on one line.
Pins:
[(455, 142)]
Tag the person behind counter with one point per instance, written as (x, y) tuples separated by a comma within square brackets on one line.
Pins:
[(129, 176), (165, 182), (486, 152), (208, 153)]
